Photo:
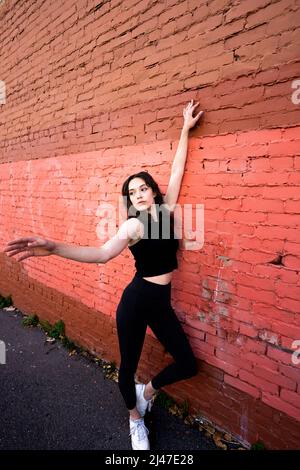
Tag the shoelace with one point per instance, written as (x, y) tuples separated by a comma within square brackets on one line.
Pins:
[(140, 428)]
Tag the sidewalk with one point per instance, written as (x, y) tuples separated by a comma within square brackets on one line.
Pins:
[(53, 401)]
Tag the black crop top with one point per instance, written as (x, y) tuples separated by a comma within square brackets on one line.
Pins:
[(155, 252)]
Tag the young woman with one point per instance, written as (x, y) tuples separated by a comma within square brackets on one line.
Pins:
[(146, 301)]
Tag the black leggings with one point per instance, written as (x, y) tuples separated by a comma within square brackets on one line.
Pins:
[(144, 303)]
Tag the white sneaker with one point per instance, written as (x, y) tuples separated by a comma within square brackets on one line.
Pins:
[(139, 434), (141, 403)]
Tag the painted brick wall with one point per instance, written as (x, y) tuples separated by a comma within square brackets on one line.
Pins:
[(95, 92)]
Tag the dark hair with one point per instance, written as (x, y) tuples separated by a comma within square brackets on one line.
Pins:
[(158, 199)]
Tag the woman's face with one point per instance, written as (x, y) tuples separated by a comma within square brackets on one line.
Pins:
[(141, 195)]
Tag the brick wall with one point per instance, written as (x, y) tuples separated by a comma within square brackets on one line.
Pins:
[(94, 92)]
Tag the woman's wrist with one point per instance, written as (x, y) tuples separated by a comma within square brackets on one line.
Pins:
[(56, 248)]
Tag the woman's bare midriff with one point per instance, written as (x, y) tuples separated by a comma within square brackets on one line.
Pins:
[(162, 278)]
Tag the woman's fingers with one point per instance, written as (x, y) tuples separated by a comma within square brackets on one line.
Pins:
[(23, 243), (11, 253), (191, 106), (191, 103), (24, 257), (15, 251), (21, 240), (26, 246), (197, 117), (188, 112), (13, 247), (27, 253), (10, 248)]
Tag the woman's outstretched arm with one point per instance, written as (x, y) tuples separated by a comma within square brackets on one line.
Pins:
[(178, 165), (37, 246)]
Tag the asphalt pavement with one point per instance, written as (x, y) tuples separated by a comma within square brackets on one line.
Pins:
[(51, 400)]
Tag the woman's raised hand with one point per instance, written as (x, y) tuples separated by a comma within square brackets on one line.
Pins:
[(32, 246), (189, 120)]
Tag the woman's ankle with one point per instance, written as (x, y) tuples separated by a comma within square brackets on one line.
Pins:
[(149, 391), (134, 414)]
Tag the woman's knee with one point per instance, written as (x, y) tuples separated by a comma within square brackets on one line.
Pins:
[(192, 368), (189, 368)]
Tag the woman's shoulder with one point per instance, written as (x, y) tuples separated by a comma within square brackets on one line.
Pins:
[(135, 229)]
